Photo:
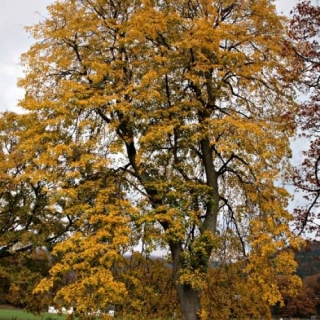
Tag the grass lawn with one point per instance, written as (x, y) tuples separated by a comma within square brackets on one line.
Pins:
[(16, 314)]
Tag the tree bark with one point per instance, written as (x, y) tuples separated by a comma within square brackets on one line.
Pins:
[(189, 302), (189, 298)]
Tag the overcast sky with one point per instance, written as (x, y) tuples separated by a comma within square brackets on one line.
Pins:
[(14, 40)]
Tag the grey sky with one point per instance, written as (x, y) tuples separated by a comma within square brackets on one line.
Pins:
[(14, 40), (14, 15)]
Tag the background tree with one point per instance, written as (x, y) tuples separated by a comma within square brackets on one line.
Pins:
[(305, 31), (301, 303), (18, 280), (166, 124)]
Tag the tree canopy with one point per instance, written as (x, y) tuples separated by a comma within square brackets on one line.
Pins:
[(304, 33), (154, 124)]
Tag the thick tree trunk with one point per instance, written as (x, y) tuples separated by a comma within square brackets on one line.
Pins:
[(189, 298), (189, 302)]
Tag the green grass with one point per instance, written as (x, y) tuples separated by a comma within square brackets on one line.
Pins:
[(15, 314), (9, 314)]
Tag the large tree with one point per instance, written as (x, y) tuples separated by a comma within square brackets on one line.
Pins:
[(161, 124)]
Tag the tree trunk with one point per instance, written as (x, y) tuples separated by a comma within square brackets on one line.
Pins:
[(189, 298), (189, 302)]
